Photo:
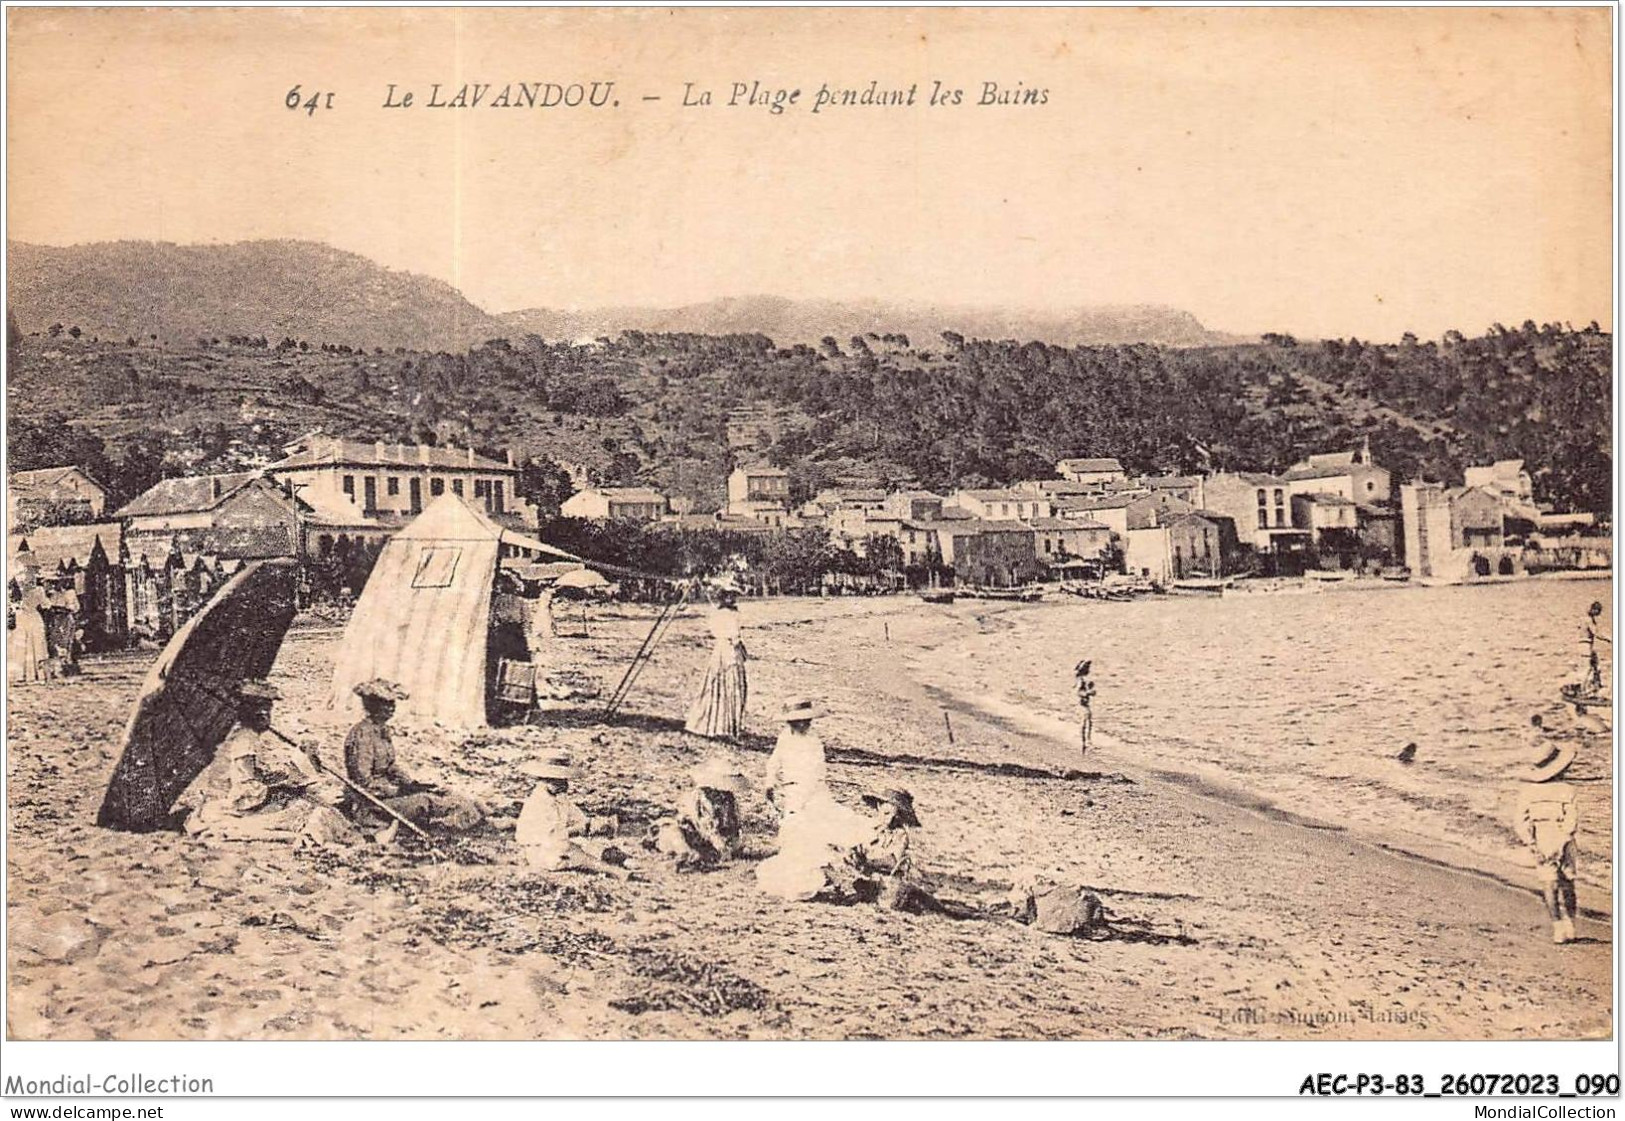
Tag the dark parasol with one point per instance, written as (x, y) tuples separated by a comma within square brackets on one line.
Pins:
[(189, 700)]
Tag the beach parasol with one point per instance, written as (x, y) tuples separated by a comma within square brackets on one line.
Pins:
[(584, 580), (188, 702)]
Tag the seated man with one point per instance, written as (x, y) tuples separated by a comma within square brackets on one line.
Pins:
[(369, 760), (258, 788), (548, 821)]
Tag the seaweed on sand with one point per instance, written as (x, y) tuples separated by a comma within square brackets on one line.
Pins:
[(679, 983)]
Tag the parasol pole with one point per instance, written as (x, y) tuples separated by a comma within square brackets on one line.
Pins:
[(354, 788)]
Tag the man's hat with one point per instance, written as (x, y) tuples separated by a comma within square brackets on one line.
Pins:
[(379, 689), (258, 690), (1082, 667), (801, 708), (901, 800), (1546, 762)]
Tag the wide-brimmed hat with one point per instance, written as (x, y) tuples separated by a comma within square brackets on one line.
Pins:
[(1546, 762), (552, 765), (257, 690), (1082, 667), (900, 800), (719, 774), (379, 689), (801, 708)]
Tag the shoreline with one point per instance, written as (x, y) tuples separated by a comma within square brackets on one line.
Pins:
[(1226, 924)]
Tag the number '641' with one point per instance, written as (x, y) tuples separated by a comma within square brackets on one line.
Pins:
[(297, 100)]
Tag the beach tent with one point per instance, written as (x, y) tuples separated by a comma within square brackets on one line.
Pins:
[(426, 618)]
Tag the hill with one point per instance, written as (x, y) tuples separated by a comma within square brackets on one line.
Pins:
[(809, 321), (139, 289), (654, 408)]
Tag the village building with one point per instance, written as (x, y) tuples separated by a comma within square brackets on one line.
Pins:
[(1110, 510), (1098, 472), (760, 492), (914, 505), (642, 504), (1058, 541), (1182, 546), (860, 499), (1187, 488), (982, 552), (1001, 505), (242, 515), (1319, 513), (1505, 478), (1261, 508), (1352, 474), (53, 496), (1454, 534), (377, 487), (1146, 511)]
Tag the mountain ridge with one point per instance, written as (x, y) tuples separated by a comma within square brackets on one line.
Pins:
[(313, 291)]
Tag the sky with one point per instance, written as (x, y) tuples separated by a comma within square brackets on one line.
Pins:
[(1324, 172)]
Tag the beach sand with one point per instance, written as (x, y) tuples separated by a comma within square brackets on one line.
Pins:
[(1228, 921)]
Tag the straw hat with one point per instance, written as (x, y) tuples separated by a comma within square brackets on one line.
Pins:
[(718, 774), (801, 708), (900, 800), (258, 690), (1547, 761), (379, 689)]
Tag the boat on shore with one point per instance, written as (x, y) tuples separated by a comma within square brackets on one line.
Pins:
[(1200, 586), (940, 595)]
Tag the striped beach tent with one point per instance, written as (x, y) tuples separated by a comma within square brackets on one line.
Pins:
[(425, 618)]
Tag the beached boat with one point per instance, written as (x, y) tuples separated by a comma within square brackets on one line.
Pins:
[(1199, 587), (943, 596), (1325, 575)]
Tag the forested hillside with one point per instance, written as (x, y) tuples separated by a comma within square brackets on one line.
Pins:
[(941, 412)]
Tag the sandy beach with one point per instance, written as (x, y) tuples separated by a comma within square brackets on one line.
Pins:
[(1231, 918)]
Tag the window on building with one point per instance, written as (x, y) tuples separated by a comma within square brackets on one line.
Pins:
[(393, 486), (1279, 498), (457, 487), (1263, 499), (479, 488), (499, 503), (416, 488), (1263, 517), (370, 486), (437, 487), (348, 484)]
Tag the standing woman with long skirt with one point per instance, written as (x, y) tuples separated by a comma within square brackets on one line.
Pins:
[(27, 649), (719, 710)]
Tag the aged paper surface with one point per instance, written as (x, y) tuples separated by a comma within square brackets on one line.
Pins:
[(809, 524)]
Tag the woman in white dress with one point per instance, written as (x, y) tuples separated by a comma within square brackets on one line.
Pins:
[(719, 710), (815, 831), (27, 650)]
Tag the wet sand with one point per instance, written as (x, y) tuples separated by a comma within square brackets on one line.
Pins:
[(1227, 922)]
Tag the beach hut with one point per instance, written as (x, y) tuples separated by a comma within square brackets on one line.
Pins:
[(431, 617)]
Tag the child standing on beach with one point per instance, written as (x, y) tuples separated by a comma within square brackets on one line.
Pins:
[(1086, 699), (1546, 820)]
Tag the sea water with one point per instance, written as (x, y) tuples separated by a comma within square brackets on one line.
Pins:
[(1303, 702)]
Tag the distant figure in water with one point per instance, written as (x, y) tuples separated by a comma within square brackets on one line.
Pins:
[(1593, 682), (1086, 699), (1546, 819), (1407, 754), (719, 710)]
